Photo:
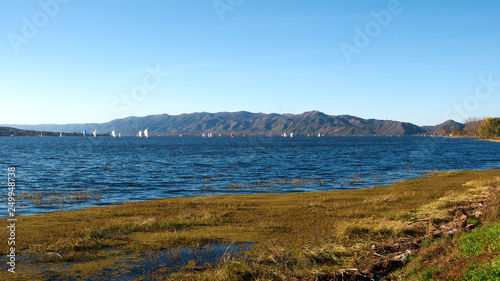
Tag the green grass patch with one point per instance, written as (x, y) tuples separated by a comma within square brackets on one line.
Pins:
[(484, 272), (483, 240), (428, 274)]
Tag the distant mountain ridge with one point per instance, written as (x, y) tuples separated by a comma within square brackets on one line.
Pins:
[(243, 122), (9, 131)]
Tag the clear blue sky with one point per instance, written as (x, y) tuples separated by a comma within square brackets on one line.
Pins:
[(78, 61)]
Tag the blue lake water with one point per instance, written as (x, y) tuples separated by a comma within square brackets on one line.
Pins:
[(72, 173)]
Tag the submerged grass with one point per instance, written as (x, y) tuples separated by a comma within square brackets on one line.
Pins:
[(44, 198), (294, 235)]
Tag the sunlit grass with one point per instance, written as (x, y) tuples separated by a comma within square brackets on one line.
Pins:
[(294, 234), (483, 240), (471, 255)]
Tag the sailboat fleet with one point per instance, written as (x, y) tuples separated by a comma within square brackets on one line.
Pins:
[(94, 134), (145, 134), (140, 134)]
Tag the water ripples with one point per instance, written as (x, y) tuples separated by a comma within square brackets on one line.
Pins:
[(131, 169)]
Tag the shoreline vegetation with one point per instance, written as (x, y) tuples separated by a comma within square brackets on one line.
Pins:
[(487, 128), (442, 226)]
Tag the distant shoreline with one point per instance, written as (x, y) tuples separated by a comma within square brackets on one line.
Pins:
[(470, 137)]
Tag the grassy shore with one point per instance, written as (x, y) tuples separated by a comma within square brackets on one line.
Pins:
[(414, 230)]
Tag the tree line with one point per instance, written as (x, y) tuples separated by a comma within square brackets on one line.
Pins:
[(485, 128)]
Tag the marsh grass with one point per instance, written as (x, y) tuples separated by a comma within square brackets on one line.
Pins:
[(44, 198), (276, 184), (294, 235)]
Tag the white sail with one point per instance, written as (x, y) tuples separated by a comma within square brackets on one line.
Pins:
[(60, 135), (119, 135), (291, 134), (139, 134), (113, 134), (146, 134), (94, 134), (319, 135)]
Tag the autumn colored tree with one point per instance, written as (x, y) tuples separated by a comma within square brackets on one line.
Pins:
[(457, 132), (472, 125), (489, 128), (443, 132)]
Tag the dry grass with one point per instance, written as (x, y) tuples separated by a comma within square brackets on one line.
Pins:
[(467, 255), (294, 235)]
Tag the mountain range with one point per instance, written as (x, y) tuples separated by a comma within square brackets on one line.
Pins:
[(243, 122)]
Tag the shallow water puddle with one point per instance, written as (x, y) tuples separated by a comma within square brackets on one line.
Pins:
[(154, 264)]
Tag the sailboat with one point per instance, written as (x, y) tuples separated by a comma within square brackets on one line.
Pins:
[(119, 135), (146, 134), (232, 134), (139, 134), (291, 134), (60, 135), (113, 134), (85, 133), (319, 135), (94, 134)]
